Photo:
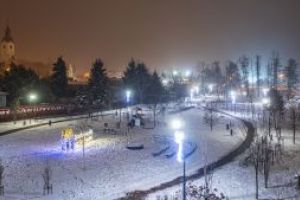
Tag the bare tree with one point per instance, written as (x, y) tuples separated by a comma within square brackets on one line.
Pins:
[(1, 178), (47, 189), (293, 122)]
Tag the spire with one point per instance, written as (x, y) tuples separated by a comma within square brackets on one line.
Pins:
[(7, 37)]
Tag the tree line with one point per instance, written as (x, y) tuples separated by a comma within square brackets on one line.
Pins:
[(100, 91), (251, 75)]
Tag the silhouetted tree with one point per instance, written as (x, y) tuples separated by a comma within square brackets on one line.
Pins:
[(97, 82), (232, 76), (137, 78), (155, 92), (18, 81), (59, 80), (218, 77)]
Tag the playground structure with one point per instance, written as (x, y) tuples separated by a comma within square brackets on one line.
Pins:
[(75, 134)]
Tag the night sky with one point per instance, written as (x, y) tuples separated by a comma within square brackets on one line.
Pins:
[(162, 33)]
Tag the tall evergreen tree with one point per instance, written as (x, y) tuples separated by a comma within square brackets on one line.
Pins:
[(218, 77), (232, 75), (155, 89), (59, 80), (291, 76), (97, 82), (19, 81), (155, 92), (137, 78)]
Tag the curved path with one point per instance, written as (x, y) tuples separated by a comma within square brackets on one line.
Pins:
[(200, 172), (111, 171)]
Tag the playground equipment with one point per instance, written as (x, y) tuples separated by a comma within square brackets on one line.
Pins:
[(75, 134)]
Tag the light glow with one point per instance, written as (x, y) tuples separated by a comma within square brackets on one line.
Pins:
[(32, 97), (176, 124), (128, 94)]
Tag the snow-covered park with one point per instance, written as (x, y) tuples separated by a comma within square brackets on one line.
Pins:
[(107, 169), (237, 180)]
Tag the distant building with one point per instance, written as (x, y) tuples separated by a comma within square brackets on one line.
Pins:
[(70, 72), (7, 51), (3, 99), (8, 57)]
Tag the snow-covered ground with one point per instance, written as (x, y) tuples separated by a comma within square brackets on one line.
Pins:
[(111, 170), (238, 182)]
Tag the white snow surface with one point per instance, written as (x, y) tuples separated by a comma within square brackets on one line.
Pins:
[(238, 183), (110, 170)]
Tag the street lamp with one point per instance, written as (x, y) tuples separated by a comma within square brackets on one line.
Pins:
[(210, 86), (179, 139), (187, 73), (233, 96), (265, 101), (128, 95), (31, 97), (165, 82)]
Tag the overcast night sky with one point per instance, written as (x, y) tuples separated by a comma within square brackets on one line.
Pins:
[(162, 33)]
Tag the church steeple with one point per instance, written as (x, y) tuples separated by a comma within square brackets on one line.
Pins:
[(7, 37)]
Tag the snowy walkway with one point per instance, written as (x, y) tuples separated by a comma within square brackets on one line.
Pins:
[(111, 169), (237, 182)]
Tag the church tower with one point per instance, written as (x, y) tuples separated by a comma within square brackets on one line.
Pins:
[(7, 50)]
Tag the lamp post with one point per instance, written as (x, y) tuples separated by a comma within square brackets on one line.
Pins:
[(179, 138), (32, 97)]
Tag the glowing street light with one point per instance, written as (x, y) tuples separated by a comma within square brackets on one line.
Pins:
[(187, 73), (233, 96), (128, 95), (211, 86), (165, 82), (175, 73), (176, 124), (31, 97), (265, 101)]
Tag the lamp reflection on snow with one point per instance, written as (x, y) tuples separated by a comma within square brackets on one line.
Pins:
[(179, 138), (177, 124)]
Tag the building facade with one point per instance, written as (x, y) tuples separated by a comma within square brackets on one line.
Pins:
[(7, 51)]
